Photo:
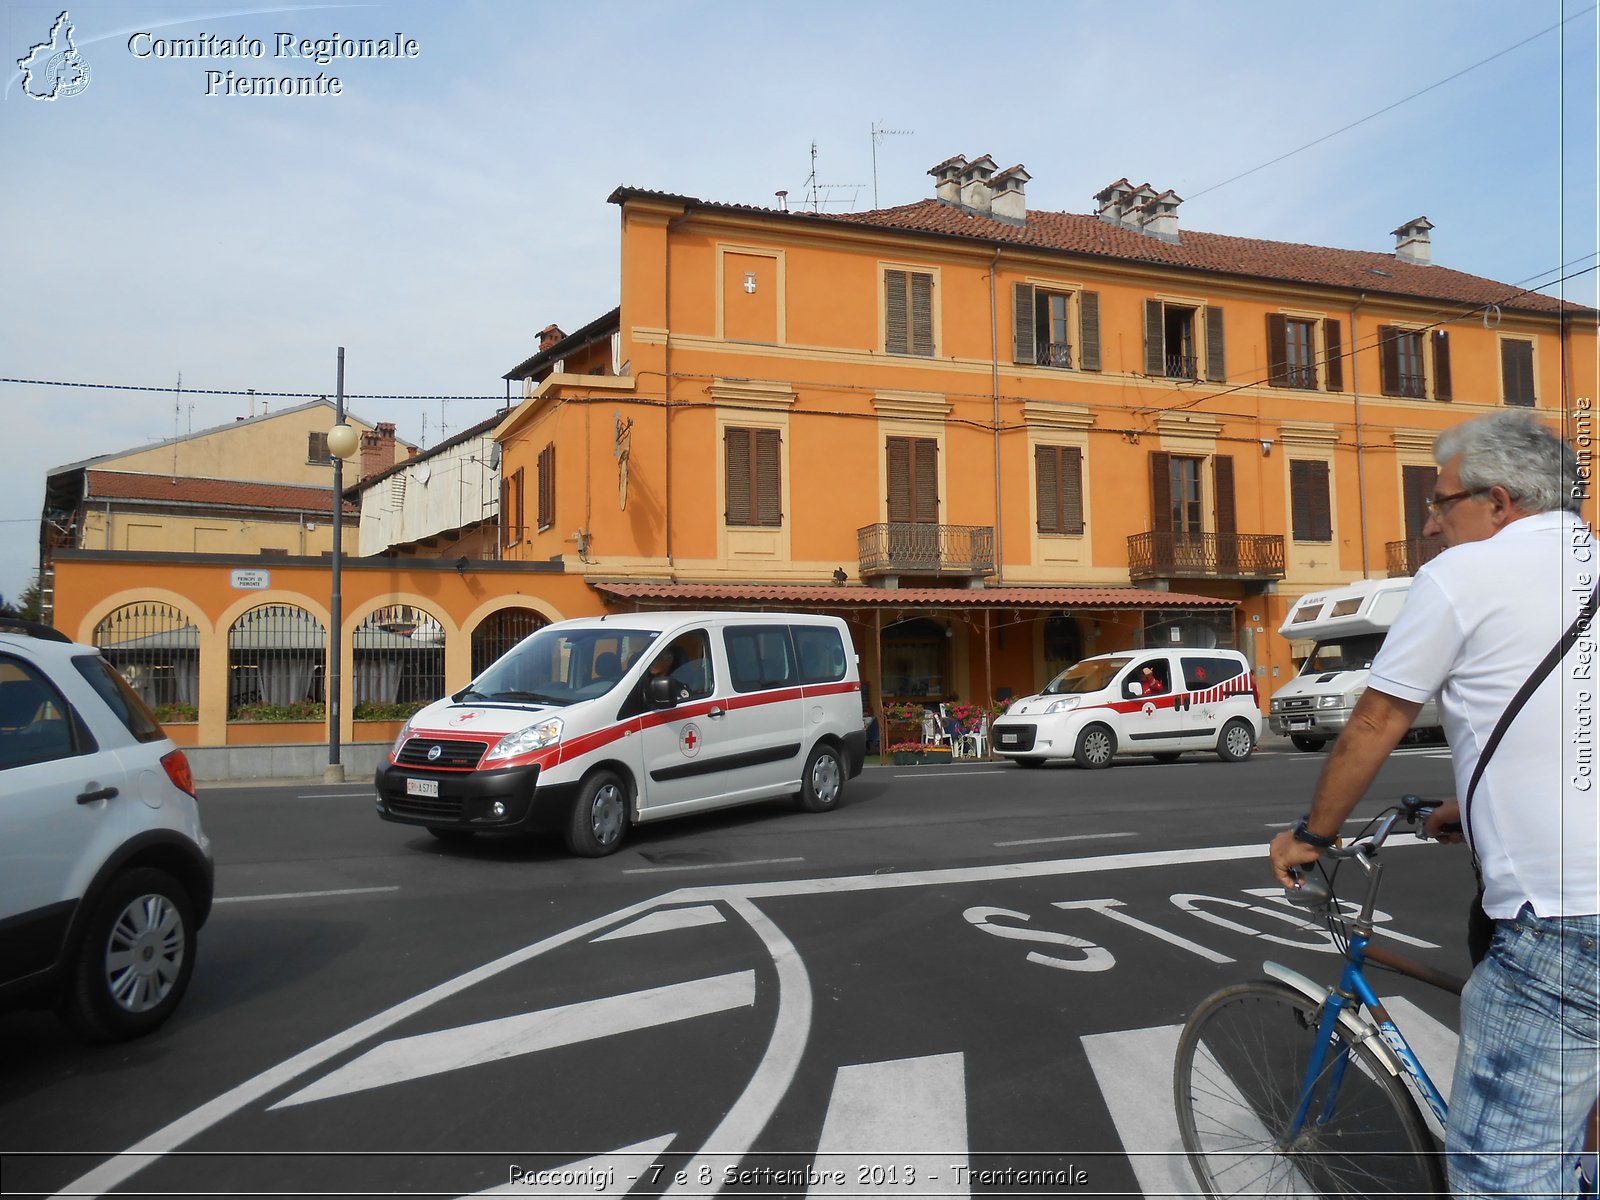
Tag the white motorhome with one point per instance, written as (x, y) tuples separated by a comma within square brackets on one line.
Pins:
[(1346, 625)]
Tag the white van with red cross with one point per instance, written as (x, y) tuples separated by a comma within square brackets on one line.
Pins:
[(588, 726), (1156, 702)]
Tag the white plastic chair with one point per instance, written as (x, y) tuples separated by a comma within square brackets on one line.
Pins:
[(933, 731), (974, 742)]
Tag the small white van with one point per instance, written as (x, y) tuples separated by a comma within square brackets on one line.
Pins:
[(1346, 625), (588, 726), (1157, 702)]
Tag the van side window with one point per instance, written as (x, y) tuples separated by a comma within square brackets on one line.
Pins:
[(1158, 681), (691, 663), (1204, 672), (759, 656), (820, 651)]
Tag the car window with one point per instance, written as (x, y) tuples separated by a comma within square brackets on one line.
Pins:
[(1204, 671), (820, 652), (1153, 675), (120, 698), (35, 723), (759, 656)]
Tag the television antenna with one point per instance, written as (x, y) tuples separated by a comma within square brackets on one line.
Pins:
[(878, 134), (815, 199)]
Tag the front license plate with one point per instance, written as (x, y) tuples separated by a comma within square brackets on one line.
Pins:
[(422, 787), (1008, 739), (1302, 723)]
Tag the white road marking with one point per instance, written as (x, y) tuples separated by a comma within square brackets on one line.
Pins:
[(605, 1176), (750, 862), (1435, 1045), (888, 1114), (1112, 909), (1134, 1071), (302, 895), (1071, 837), (364, 793), (1259, 1173), (506, 1037), (665, 920)]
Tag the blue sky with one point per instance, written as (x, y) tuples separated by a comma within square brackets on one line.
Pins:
[(442, 209)]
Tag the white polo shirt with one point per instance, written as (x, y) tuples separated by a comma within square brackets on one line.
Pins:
[(1477, 621)]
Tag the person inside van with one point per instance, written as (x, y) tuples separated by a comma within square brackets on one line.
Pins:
[(663, 665), (1149, 683)]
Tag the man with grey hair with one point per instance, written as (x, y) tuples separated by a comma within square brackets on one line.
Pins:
[(1512, 585)]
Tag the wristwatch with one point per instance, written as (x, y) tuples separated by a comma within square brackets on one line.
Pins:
[(1302, 834)]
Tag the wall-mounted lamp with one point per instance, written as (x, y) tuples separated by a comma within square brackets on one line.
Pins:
[(1266, 447)]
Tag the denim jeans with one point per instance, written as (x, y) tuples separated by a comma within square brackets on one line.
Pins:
[(1529, 1061)]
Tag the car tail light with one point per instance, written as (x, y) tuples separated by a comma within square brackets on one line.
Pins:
[(177, 768)]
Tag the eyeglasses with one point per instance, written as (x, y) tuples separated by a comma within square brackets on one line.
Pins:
[(1437, 504)]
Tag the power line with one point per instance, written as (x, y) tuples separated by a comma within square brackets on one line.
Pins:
[(194, 391)]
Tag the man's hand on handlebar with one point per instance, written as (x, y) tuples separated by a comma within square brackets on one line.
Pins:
[(1444, 823), (1287, 853)]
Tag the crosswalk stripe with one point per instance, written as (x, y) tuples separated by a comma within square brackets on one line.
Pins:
[(888, 1114), (1435, 1045), (664, 920), (603, 1177), (1134, 1071), (451, 1049)]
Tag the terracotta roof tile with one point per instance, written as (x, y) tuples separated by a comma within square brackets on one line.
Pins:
[(829, 596), (129, 485)]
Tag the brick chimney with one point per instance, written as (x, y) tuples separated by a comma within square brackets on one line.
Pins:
[(1411, 242), (1009, 203), (377, 449), (947, 179), (549, 336)]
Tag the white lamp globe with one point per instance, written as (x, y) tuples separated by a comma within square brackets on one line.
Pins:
[(343, 440)]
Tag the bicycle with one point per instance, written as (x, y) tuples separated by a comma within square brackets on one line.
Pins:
[(1287, 1088)]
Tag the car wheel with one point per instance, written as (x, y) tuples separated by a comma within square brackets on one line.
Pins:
[(598, 819), (1096, 746), (1030, 763), (446, 834), (1170, 756), (1236, 742), (1310, 745), (822, 784), (134, 960)]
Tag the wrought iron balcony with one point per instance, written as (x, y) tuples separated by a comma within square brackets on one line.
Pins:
[(1182, 366), (1053, 354), (1405, 558), (915, 548), (1156, 555)]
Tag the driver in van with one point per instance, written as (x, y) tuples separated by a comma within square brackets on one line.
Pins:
[(661, 666), (1149, 683)]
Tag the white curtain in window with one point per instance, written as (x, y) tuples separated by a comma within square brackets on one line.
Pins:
[(186, 673), (377, 679), (286, 678)]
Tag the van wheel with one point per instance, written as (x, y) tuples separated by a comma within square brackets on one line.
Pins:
[(1236, 741), (1170, 756), (822, 784), (1030, 763), (134, 962), (598, 819), (1096, 746), (1310, 745)]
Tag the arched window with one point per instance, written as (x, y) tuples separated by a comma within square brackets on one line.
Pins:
[(397, 655), (156, 647), (500, 631), (275, 657)]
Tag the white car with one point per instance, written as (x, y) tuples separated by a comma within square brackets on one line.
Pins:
[(105, 874), (1156, 702)]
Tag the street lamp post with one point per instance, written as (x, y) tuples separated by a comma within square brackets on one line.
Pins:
[(342, 443)]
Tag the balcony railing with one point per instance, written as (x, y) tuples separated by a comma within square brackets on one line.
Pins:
[(1053, 354), (915, 548), (1405, 558), (1157, 555), (1182, 366)]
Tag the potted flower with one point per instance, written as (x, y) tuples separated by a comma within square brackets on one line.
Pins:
[(906, 754), (903, 721), (935, 756)]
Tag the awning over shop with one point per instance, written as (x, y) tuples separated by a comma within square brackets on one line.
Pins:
[(806, 596)]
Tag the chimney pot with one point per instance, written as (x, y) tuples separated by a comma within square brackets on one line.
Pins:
[(1412, 243), (1009, 203), (976, 194), (947, 179), (549, 336)]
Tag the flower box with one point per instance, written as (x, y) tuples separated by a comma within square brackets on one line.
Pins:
[(906, 754)]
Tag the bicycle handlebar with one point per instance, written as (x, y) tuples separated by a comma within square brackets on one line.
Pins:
[(1313, 891)]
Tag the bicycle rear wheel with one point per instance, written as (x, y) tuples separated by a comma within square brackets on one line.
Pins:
[(1241, 1063)]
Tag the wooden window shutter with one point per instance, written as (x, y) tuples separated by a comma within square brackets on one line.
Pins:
[(1333, 362), (1155, 348), (317, 449), (769, 477), (737, 458), (547, 486), (1089, 330), (925, 464), (1071, 489), (1388, 360), (1516, 370), (1047, 483), (896, 339), (898, 460), (1216, 359), (922, 314), (1160, 491), (505, 512), (1222, 473), (1441, 365), (1309, 505), (1022, 342), (1416, 485), (1277, 350)]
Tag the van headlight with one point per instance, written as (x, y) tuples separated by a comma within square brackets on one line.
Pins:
[(1065, 704), (1330, 701), (532, 737), (400, 738)]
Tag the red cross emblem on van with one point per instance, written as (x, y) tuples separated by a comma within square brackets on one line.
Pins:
[(689, 740)]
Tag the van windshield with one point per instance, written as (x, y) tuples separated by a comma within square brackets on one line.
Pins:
[(560, 666), (1093, 675), (1346, 654)]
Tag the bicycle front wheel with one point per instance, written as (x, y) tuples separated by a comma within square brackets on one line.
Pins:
[(1241, 1066)]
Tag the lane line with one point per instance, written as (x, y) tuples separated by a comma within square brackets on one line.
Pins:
[(1071, 837), (665, 920), (752, 862), (924, 774), (303, 895), (365, 792), (917, 1106)]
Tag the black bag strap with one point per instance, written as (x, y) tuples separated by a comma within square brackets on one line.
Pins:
[(1557, 653)]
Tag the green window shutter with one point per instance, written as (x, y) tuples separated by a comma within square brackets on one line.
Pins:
[(1222, 474), (1441, 365), (768, 477), (1089, 330), (1277, 350), (897, 455), (922, 314), (1047, 483), (1160, 491), (1388, 360), (1022, 341), (895, 313), (1155, 349), (1333, 363), (738, 458), (1071, 489), (1216, 360)]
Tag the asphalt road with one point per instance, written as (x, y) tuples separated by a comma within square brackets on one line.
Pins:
[(962, 975)]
